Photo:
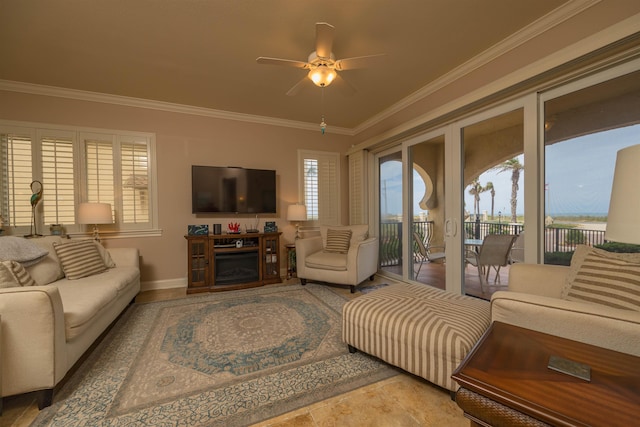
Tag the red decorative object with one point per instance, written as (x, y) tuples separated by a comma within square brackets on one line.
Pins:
[(234, 227)]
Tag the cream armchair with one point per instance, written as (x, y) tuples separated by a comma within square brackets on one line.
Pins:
[(343, 255)]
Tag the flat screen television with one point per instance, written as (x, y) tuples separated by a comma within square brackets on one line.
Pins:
[(216, 189)]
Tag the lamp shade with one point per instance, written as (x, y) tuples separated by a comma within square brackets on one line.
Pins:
[(297, 213), (623, 219), (95, 213)]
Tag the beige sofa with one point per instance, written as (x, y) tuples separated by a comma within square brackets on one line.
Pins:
[(350, 264), (537, 299), (46, 328)]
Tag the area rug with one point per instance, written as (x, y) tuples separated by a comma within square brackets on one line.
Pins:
[(367, 289), (224, 359)]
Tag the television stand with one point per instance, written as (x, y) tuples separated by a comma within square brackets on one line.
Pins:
[(223, 262)]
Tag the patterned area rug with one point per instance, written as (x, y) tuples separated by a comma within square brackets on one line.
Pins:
[(224, 359)]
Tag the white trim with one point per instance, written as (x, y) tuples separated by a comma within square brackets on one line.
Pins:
[(82, 95), (540, 26), (590, 44), (164, 284), (551, 20), (37, 129)]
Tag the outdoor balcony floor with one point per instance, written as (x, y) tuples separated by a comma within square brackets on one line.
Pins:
[(433, 274)]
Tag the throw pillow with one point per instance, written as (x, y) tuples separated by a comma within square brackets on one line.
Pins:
[(79, 259), (338, 241), (48, 270), (106, 257), (607, 280), (12, 274), (581, 253), (21, 250)]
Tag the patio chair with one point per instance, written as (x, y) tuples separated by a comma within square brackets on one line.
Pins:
[(494, 253), (517, 251), (426, 253)]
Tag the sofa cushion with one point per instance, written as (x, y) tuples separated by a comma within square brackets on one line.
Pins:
[(79, 259), (21, 250), (338, 241), (48, 270), (84, 299), (106, 257), (607, 280), (12, 274), (327, 261), (579, 256)]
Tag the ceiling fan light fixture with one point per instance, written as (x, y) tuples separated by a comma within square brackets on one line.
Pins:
[(322, 75)]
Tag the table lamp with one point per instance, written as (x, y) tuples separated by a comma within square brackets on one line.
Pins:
[(623, 219), (297, 213), (95, 213)]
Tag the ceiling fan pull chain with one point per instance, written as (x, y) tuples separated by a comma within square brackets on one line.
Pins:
[(323, 125)]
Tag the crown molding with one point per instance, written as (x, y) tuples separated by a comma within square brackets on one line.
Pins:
[(81, 95), (552, 19), (606, 37), (540, 26)]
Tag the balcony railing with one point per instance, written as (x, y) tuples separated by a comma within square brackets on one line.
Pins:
[(557, 239)]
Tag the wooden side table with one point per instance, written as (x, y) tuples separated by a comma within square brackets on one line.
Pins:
[(291, 259), (506, 375)]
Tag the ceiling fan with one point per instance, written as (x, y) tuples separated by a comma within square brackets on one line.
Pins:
[(322, 64)]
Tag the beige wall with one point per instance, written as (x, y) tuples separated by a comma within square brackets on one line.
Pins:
[(183, 140)]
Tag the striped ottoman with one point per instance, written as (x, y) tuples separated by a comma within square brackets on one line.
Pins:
[(418, 328)]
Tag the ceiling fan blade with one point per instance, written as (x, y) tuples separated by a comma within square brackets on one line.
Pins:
[(296, 88), (358, 62), (324, 39), (344, 86), (279, 61)]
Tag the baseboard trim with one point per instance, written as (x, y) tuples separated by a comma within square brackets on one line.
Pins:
[(163, 284)]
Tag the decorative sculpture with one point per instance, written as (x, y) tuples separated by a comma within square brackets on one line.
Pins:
[(36, 189)]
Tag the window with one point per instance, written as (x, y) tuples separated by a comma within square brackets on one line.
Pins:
[(320, 185), (74, 166)]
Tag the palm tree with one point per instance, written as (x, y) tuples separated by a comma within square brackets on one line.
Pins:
[(475, 189), (489, 187), (515, 167)]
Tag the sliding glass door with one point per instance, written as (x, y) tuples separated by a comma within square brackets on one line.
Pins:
[(426, 216), (585, 125), (390, 212), (493, 184)]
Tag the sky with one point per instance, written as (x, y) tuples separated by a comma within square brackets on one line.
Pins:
[(578, 175)]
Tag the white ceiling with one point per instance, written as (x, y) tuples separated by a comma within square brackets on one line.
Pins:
[(203, 53)]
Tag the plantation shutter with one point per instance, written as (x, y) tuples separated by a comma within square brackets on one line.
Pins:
[(320, 185), (357, 188), (58, 178), (99, 169), (16, 174), (135, 182)]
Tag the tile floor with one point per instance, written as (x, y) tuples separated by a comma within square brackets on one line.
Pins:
[(402, 401)]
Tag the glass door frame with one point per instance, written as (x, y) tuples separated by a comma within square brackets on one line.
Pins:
[(407, 174), (454, 179), (377, 156)]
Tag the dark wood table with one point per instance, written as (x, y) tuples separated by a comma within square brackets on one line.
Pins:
[(508, 368)]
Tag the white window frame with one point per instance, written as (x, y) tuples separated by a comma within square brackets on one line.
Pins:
[(116, 137)]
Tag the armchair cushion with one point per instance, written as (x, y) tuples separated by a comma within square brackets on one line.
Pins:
[(338, 241), (327, 261), (358, 232)]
